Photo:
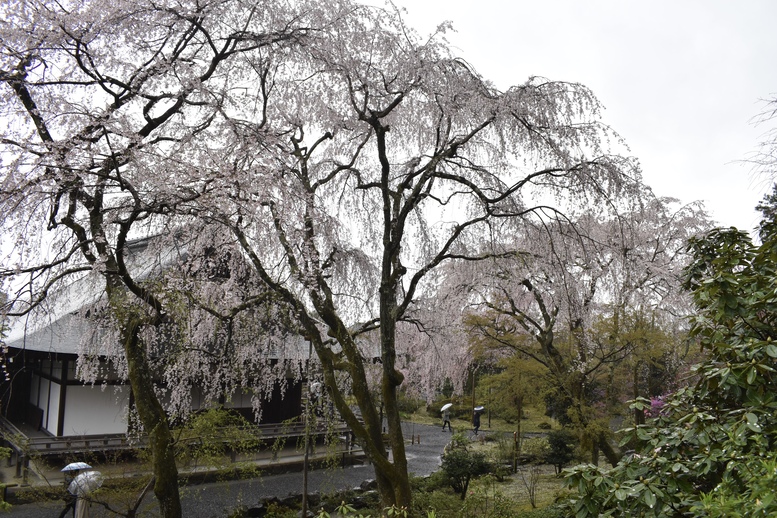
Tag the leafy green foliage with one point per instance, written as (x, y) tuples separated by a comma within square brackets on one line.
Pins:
[(276, 510), (447, 387), (552, 511), (710, 452), (561, 448), (346, 509), (512, 384), (535, 449), (210, 436), (4, 506), (483, 501), (768, 209), (407, 403), (481, 504), (459, 465)]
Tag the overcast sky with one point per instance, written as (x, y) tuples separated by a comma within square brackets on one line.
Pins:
[(680, 80)]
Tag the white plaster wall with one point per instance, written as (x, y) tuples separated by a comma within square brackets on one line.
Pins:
[(91, 410), (50, 408)]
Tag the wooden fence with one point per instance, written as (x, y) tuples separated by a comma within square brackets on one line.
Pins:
[(24, 448)]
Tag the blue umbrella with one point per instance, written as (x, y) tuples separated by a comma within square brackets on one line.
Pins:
[(75, 466)]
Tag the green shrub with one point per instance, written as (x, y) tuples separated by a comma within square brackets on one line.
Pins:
[(561, 444), (553, 511), (433, 482), (710, 451), (209, 435), (505, 449), (276, 510), (535, 449), (441, 502), (408, 404), (460, 466), (4, 506), (481, 504)]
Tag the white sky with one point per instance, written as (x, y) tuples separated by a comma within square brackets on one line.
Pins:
[(681, 80)]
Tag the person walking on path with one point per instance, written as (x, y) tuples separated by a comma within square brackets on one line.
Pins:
[(70, 504), (446, 419), (70, 498), (476, 421)]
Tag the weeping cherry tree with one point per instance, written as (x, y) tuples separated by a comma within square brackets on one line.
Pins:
[(353, 175), (103, 103)]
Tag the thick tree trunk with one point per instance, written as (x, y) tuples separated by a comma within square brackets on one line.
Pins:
[(399, 480), (639, 415), (609, 452), (393, 483), (390, 474), (392, 272), (368, 430), (154, 420), (397, 476)]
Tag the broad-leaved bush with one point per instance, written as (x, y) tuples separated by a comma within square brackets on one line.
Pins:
[(710, 451)]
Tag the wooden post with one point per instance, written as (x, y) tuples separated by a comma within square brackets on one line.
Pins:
[(515, 451), (488, 402), (13, 456), (25, 470)]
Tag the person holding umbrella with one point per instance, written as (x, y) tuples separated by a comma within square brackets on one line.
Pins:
[(71, 472), (476, 418), (70, 503), (446, 416), (83, 486)]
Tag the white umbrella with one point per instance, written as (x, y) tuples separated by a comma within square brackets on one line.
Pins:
[(75, 466), (85, 483), (479, 409), (446, 406)]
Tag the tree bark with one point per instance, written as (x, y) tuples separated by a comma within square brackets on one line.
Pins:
[(639, 415), (154, 420), (610, 454)]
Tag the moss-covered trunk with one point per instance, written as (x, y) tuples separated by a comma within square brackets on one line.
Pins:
[(398, 477), (390, 473), (154, 420)]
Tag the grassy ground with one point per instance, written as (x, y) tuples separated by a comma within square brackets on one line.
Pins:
[(537, 482), (547, 487)]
